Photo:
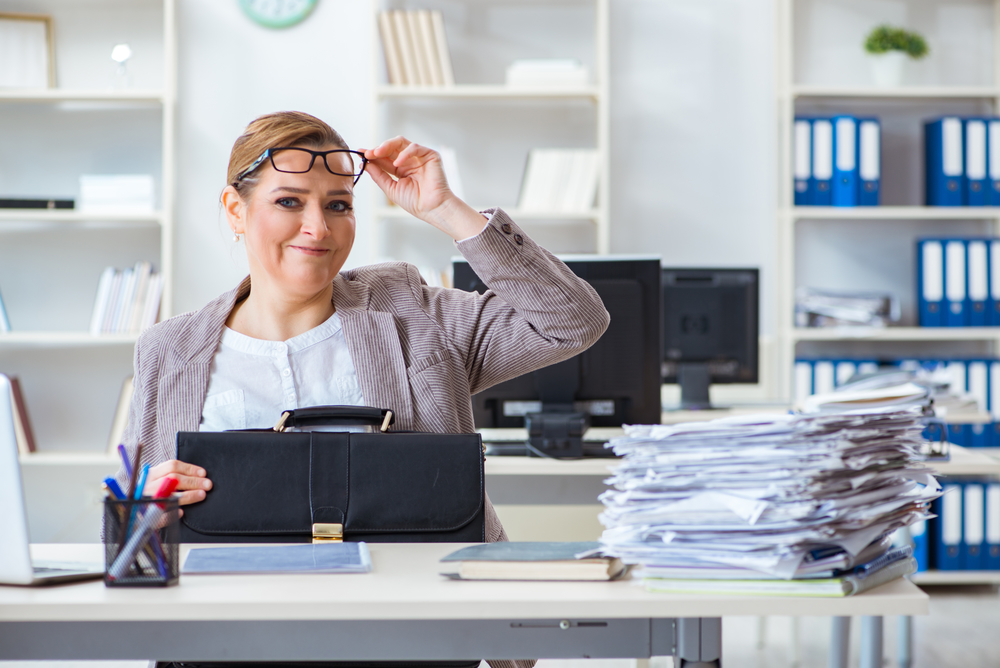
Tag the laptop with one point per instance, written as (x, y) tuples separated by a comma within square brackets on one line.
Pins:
[(16, 567)]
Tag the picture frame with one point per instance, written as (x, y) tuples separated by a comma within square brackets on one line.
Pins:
[(27, 51)]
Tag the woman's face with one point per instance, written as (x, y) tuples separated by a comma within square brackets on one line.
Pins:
[(300, 227)]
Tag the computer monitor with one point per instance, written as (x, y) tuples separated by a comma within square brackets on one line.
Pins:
[(616, 381), (710, 330)]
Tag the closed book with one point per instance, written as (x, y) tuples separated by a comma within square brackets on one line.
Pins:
[(944, 166), (390, 48), (36, 203), (143, 270), (428, 45), (345, 557), (25, 434), (101, 300), (401, 28), (533, 561), (121, 416), (847, 585), (441, 44), (419, 53), (151, 305)]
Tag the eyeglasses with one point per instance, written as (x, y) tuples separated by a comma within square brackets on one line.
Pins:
[(294, 160)]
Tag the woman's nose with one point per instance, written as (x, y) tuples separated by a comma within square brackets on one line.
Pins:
[(314, 222)]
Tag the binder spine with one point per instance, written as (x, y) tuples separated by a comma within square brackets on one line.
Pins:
[(803, 161), (943, 156), (948, 538), (991, 550), (993, 160), (870, 162), (930, 283), (821, 181), (845, 163), (977, 257), (973, 506), (974, 181), (955, 283)]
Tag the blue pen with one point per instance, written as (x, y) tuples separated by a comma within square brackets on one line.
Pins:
[(126, 462), (142, 481), (114, 488)]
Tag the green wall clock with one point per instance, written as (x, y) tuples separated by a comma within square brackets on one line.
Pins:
[(277, 13)]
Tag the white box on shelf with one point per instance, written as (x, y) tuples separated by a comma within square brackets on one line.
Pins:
[(538, 72), (117, 193)]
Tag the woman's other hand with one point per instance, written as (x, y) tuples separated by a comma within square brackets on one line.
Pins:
[(191, 480), (411, 175)]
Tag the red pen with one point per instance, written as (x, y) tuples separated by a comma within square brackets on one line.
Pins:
[(166, 488)]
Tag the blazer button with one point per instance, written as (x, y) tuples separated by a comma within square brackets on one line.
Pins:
[(518, 239), (506, 228)]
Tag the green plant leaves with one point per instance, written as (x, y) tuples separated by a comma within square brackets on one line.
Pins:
[(885, 38)]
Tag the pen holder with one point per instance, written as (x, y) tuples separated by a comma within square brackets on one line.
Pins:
[(141, 542)]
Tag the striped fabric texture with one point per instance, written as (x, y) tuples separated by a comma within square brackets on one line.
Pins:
[(419, 351)]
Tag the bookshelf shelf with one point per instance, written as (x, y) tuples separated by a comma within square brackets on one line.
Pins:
[(894, 213), (397, 214), (65, 339), (403, 109), (101, 460), (900, 93), (68, 95), (956, 578), (73, 216), (486, 92), (897, 334)]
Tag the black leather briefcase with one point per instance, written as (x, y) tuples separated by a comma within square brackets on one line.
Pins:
[(313, 486)]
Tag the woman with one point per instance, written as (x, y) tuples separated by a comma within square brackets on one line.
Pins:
[(299, 332)]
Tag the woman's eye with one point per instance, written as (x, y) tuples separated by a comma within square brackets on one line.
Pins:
[(287, 202), (339, 206)]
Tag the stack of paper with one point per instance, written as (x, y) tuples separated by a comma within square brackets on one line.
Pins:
[(823, 308), (787, 496), (546, 72), (116, 193)]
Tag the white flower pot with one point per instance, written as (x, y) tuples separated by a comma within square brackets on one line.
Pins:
[(888, 68)]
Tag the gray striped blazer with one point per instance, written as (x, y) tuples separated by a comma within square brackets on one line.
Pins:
[(419, 351)]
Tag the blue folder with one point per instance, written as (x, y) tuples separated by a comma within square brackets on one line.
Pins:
[(974, 524), (821, 181), (993, 274), (921, 546), (977, 298), (845, 163), (975, 185), (930, 282), (948, 529), (993, 160), (870, 162), (991, 557), (956, 280), (802, 161), (943, 161), (956, 434)]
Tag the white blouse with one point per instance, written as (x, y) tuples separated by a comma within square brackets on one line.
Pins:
[(253, 381)]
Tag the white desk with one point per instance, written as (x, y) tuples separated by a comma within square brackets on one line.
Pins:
[(402, 610)]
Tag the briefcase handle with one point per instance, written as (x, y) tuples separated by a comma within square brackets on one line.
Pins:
[(336, 416)]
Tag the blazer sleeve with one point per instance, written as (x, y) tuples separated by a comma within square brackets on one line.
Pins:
[(536, 311)]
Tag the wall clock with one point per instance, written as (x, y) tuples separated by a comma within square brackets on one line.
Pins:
[(277, 13)]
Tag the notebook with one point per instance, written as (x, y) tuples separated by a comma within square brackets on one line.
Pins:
[(16, 567)]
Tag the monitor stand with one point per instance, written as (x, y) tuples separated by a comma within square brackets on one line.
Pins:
[(694, 380), (556, 433)]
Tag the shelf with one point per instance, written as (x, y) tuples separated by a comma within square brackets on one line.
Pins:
[(956, 578), (67, 95), (894, 212), (396, 213), (66, 339), (76, 216), (895, 333), (487, 91), (903, 92), (101, 459), (967, 461)]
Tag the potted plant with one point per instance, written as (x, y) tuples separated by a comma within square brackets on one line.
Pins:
[(889, 48)]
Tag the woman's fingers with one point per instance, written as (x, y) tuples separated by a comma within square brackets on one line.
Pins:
[(192, 481)]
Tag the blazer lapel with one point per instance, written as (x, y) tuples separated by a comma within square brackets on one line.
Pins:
[(373, 341)]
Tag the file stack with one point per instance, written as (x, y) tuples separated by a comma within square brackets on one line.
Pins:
[(962, 161), (824, 308), (128, 300), (788, 496), (837, 161), (965, 534), (962, 389), (958, 282)]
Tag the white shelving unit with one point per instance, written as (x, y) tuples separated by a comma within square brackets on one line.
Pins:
[(53, 258), (393, 101), (795, 96)]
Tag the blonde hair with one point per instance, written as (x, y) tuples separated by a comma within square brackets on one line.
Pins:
[(282, 128)]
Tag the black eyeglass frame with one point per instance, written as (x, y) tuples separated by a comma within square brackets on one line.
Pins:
[(269, 154)]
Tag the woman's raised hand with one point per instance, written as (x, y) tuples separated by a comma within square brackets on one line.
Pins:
[(411, 175)]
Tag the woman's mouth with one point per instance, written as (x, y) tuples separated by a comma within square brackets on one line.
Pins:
[(309, 250)]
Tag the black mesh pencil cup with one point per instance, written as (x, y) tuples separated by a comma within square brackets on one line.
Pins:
[(141, 542)]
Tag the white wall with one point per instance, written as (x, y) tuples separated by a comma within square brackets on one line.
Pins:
[(692, 118)]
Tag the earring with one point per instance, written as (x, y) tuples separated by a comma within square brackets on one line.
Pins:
[(236, 238)]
